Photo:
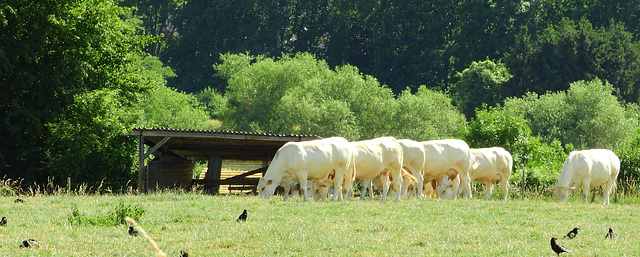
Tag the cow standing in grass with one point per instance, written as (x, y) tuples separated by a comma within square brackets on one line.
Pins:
[(588, 168), (380, 156), (299, 161), (448, 157)]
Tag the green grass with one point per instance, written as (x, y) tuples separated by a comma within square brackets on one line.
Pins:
[(206, 225)]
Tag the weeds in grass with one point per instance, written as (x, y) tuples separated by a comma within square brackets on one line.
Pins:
[(9, 187), (113, 218)]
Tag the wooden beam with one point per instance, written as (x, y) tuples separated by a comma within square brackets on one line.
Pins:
[(140, 163), (214, 170), (156, 147)]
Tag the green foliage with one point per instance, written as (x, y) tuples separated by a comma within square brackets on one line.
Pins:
[(427, 115), (52, 55), (114, 218), (167, 108), (214, 103), (302, 95), (482, 83), (87, 143), (586, 116), (572, 51), (498, 126)]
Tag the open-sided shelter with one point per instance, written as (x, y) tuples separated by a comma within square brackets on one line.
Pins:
[(175, 151)]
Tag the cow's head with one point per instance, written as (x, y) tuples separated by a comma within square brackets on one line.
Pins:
[(320, 188), (445, 189), (561, 192), (266, 187)]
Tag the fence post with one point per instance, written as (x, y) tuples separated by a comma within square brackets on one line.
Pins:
[(524, 180)]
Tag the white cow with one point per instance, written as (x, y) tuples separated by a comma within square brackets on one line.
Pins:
[(588, 168), (299, 161), (449, 157), (380, 156), (413, 160), (488, 166)]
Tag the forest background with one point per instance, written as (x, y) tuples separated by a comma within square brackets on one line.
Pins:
[(540, 78)]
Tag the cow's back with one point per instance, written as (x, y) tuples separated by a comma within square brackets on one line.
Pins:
[(325, 155), (596, 165), (442, 155)]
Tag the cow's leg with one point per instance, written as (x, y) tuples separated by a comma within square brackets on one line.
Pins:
[(489, 190), (337, 184), (384, 178), (586, 183), (505, 187), (607, 189), (302, 179), (418, 174), (287, 190), (365, 184), (397, 182), (465, 182)]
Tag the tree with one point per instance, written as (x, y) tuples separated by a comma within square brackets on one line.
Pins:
[(572, 51), (427, 115), (52, 54), (481, 83), (586, 116)]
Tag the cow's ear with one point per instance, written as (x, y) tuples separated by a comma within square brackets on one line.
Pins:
[(269, 182)]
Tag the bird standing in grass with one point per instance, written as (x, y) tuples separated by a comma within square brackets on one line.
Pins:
[(29, 243), (610, 234), (572, 234), (243, 216), (3, 221), (557, 248), (184, 254), (133, 231)]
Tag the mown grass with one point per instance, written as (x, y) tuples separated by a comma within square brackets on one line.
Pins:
[(205, 225)]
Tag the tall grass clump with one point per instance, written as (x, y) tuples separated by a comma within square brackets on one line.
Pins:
[(113, 218)]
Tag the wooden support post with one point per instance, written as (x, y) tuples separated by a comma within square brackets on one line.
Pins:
[(140, 163), (214, 170)]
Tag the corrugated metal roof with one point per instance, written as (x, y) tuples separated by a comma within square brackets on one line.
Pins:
[(199, 144), (220, 132)]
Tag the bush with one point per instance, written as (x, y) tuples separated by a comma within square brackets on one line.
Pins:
[(113, 218)]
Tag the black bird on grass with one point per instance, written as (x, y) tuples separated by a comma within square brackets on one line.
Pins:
[(183, 254), (243, 216), (557, 248), (133, 231), (29, 243), (3, 221), (572, 234), (18, 201), (610, 235)]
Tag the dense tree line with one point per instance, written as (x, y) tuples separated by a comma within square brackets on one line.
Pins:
[(540, 78)]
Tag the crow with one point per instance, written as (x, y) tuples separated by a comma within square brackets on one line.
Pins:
[(610, 235), (243, 216), (184, 254), (133, 231), (572, 234), (29, 243), (557, 248), (18, 201), (3, 221)]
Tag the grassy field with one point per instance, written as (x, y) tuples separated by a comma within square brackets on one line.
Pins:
[(205, 225)]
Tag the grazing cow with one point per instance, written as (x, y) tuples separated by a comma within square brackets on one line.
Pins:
[(448, 157), (299, 161), (413, 160), (588, 168), (489, 166), (446, 187), (380, 156), (407, 180)]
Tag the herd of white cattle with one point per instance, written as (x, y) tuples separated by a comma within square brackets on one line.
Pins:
[(437, 168)]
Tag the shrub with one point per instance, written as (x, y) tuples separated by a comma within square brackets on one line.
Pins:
[(114, 218)]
